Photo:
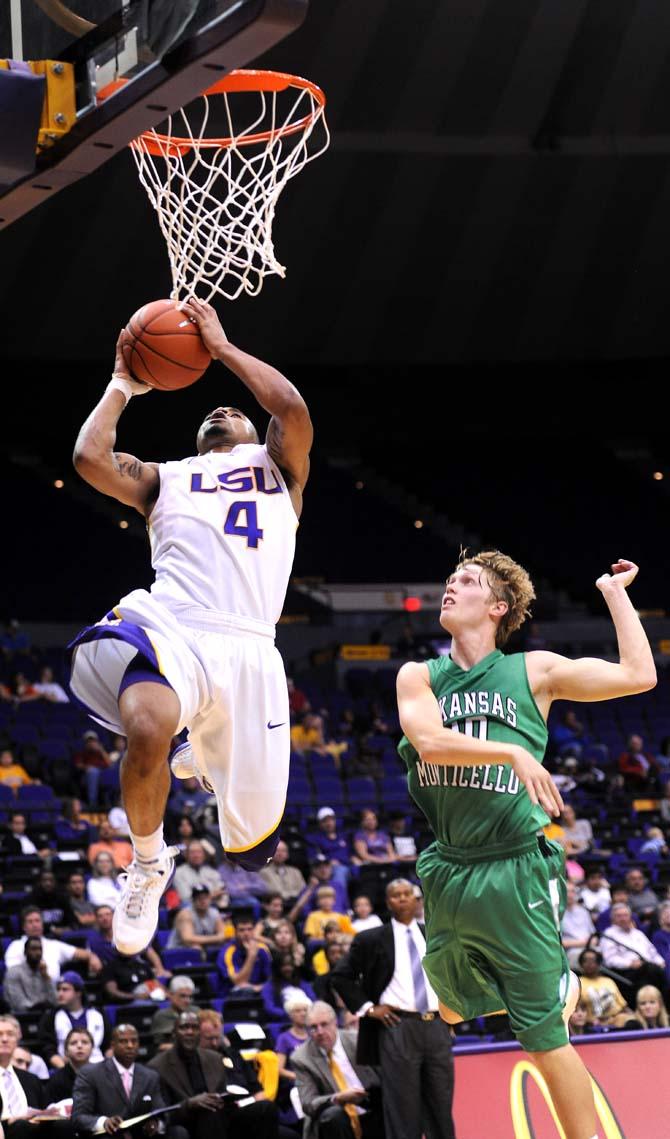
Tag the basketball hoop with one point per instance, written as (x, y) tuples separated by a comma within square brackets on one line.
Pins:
[(216, 197)]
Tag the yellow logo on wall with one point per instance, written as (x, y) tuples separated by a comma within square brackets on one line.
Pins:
[(521, 1121)]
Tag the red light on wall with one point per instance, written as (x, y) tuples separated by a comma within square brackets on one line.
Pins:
[(412, 604)]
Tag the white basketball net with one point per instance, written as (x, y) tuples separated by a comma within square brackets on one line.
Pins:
[(216, 198)]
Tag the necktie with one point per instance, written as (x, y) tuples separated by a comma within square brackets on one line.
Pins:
[(127, 1081), (13, 1104), (420, 994), (338, 1076)]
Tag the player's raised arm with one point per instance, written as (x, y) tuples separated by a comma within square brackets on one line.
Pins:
[(113, 472), (421, 722), (558, 678), (290, 434)]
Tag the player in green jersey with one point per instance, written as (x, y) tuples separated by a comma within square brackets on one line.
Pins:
[(494, 886)]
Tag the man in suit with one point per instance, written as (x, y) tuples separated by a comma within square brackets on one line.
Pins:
[(382, 980), (116, 1089), (197, 1078), (20, 1090), (338, 1096)]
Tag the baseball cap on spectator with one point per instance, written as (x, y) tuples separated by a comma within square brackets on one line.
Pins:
[(90, 736), (324, 812), (200, 890), (72, 978), (319, 859)]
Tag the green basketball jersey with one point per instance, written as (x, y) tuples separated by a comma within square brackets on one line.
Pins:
[(471, 806)]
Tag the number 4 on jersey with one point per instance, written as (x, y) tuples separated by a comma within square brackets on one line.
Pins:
[(251, 530)]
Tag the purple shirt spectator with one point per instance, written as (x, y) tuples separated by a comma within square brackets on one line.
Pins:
[(661, 942), (377, 844)]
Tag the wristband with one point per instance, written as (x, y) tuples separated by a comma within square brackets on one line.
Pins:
[(120, 384)]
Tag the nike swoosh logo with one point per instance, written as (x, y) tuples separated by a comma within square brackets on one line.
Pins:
[(271, 726), (534, 905)]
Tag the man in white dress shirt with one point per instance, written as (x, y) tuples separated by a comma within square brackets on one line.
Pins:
[(383, 982), (626, 949), (19, 1090), (56, 953)]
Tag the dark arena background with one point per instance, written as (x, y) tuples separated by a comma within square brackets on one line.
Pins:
[(475, 309)]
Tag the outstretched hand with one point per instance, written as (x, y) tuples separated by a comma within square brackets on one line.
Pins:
[(208, 324), (623, 573)]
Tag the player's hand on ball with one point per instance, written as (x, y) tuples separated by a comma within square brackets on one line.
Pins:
[(542, 791), (121, 371), (208, 323), (623, 573)]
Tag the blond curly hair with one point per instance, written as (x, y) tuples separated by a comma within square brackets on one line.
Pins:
[(508, 582)]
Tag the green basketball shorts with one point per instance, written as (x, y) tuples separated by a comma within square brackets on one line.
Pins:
[(493, 934)]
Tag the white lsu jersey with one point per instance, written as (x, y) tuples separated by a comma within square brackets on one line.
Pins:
[(222, 534)]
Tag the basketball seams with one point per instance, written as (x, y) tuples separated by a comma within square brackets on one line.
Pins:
[(165, 347)]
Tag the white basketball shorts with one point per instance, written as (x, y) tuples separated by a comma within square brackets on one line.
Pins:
[(230, 682)]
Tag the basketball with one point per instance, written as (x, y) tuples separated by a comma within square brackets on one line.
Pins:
[(162, 347)]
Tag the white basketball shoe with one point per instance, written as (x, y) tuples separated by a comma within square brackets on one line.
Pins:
[(183, 765), (136, 914)]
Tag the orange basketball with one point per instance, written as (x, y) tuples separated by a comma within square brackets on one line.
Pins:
[(162, 347)]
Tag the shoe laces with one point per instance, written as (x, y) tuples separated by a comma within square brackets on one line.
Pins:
[(143, 877)]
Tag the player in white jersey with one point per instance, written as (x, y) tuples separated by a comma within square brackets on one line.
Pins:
[(197, 649)]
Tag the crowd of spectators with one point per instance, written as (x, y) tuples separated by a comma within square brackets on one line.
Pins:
[(258, 949)]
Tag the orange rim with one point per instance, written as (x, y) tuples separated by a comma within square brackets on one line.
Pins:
[(241, 80)]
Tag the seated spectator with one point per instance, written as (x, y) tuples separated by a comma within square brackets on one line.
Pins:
[(323, 987), (128, 979), (266, 927), (650, 1011), (180, 995), (627, 950), (195, 870), (320, 963), (53, 903), (307, 735), (71, 827), (578, 1024), (329, 1092), (110, 843), (325, 911), (244, 888), (603, 999), (12, 774), (57, 1023), (100, 938), (642, 900), (577, 833), (91, 760), (595, 893), (23, 1058), (404, 845), (665, 803), (577, 927), (370, 844), (638, 767), (245, 963), (296, 1008), (619, 894), (364, 916), (26, 1089), (28, 986), (15, 639), (569, 737), (118, 749), (188, 798), (655, 843), (24, 690), (119, 1088), (80, 907), (211, 1029), (185, 831), (17, 827), (321, 873), (77, 1052), (332, 843), (285, 940), (103, 887), (280, 878), (565, 776), (285, 982), (56, 953), (49, 689), (198, 925), (554, 832), (661, 938), (199, 1072), (297, 701)]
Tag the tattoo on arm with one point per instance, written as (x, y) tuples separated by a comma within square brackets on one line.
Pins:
[(132, 468)]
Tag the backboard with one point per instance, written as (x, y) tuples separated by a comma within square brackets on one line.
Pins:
[(165, 51)]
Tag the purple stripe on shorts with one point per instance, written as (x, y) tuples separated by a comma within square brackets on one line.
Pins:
[(139, 676)]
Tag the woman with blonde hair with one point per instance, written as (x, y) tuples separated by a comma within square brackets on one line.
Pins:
[(650, 1011), (103, 888)]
